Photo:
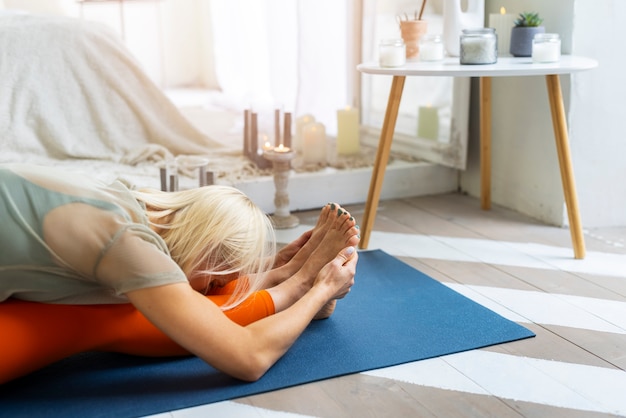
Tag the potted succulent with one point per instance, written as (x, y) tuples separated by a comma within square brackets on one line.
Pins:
[(526, 26)]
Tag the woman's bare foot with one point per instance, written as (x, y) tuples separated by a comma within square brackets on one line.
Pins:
[(293, 256), (338, 275), (327, 310), (341, 232)]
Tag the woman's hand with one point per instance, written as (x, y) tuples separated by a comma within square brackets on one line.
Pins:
[(290, 250), (338, 275)]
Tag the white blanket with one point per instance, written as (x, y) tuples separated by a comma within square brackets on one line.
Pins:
[(70, 90)]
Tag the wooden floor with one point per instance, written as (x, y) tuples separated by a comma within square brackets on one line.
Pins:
[(517, 267)]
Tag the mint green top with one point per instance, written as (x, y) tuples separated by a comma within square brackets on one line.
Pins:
[(65, 238)]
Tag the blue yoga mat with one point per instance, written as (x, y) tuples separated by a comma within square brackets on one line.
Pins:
[(394, 314)]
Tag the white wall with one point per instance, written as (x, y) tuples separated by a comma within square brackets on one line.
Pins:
[(525, 173), (598, 112)]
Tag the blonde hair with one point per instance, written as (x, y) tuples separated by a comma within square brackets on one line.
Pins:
[(214, 230)]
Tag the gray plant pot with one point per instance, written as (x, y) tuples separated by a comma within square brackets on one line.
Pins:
[(522, 40)]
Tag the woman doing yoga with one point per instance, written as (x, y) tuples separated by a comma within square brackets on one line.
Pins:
[(87, 266)]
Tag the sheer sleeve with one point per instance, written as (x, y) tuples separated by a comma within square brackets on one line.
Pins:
[(135, 259)]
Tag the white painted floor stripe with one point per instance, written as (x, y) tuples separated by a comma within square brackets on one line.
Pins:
[(546, 382), (530, 255), (549, 308), (227, 409), (516, 305)]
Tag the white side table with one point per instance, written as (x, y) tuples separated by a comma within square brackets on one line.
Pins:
[(505, 67)]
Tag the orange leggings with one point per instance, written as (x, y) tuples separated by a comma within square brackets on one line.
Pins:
[(34, 335)]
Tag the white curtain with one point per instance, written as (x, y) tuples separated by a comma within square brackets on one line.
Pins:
[(289, 54)]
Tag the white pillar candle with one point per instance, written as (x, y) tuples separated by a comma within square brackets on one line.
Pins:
[(348, 131), (266, 143), (301, 122), (502, 22), (314, 143), (428, 122)]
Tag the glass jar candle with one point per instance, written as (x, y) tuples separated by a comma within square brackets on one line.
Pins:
[(431, 48), (391, 53), (479, 46), (546, 47)]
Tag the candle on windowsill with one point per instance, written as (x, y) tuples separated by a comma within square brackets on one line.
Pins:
[(348, 131), (287, 130), (266, 143), (428, 122), (502, 22), (277, 134), (254, 136), (301, 122), (247, 133), (314, 143)]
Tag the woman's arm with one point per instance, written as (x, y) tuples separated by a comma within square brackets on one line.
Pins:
[(243, 352)]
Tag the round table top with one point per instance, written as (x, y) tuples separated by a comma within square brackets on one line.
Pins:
[(505, 67)]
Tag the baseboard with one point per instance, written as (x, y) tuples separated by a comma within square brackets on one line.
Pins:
[(350, 186)]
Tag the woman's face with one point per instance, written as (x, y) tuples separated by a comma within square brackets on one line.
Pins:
[(205, 283)]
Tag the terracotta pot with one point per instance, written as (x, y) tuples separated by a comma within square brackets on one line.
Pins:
[(411, 32), (522, 40)]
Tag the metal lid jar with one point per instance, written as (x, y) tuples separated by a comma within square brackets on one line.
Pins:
[(479, 46)]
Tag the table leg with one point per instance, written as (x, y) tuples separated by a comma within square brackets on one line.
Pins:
[(485, 143), (565, 163), (382, 157)]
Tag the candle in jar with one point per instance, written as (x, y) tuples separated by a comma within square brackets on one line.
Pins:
[(546, 47), (348, 131), (391, 53), (502, 22), (314, 143), (301, 122), (479, 46), (428, 122), (431, 48)]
